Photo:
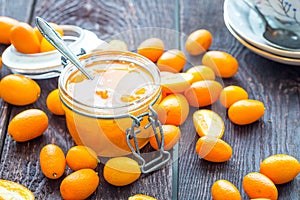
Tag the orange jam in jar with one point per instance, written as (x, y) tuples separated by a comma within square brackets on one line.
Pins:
[(99, 112)]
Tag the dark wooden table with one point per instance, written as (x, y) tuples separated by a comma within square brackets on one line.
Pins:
[(187, 177)]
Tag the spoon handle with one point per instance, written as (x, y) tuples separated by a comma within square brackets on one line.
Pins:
[(60, 45)]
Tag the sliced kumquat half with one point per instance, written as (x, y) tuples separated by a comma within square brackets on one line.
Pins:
[(13, 190), (208, 123)]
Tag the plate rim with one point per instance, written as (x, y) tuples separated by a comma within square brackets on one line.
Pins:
[(270, 56), (263, 46)]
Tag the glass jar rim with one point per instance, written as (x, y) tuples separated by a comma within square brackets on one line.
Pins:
[(109, 111)]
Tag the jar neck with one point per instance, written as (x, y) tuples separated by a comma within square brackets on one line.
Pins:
[(92, 62)]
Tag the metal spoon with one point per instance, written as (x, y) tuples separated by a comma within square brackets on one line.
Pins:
[(277, 37), (60, 45)]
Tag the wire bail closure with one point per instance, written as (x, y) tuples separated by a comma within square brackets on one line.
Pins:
[(133, 131)]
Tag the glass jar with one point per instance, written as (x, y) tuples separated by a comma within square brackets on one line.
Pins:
[(112, 113)]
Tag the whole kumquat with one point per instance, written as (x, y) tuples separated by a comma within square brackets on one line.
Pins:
[(24, 39), (175, 82), (54, 103), (28, 125), (176, 108), (117, 45), (6, 23), (232, 94), (46, 46), (121, 171), (257, 185), (19, 90), (201, 73), (52, 161), (223, 64), (171, 136), (141, 197), (213, 149), (172, 61), (223, 189), (208, 123), (79, 184), (246, 111), (280, 168), (198, 42), (81, 157), (151, 48), (13, 190), (203, 93)]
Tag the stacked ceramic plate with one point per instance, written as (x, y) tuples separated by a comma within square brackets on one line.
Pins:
[(247, 27)]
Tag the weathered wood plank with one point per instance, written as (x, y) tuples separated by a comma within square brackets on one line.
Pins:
[(275, 84), (19, 10), (107, 19)]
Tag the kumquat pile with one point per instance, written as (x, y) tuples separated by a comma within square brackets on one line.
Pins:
[(183, 91)]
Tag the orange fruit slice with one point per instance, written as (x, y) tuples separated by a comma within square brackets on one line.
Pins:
[(141, 197), (208, 123), (13, 190)]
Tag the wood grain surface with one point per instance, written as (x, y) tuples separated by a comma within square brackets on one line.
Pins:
[(187, 176)]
